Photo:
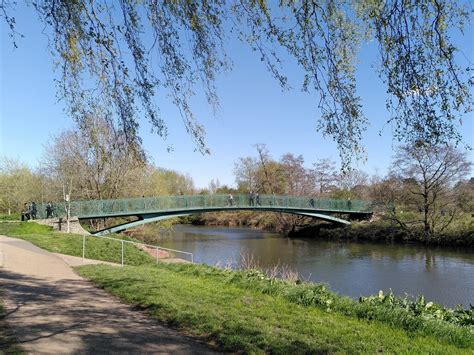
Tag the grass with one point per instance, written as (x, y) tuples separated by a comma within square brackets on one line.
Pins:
[(71, 244), (200, 301), (10, 217), (252, 312)]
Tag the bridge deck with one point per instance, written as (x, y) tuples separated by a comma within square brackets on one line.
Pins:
[(205, 203), (153, 209)]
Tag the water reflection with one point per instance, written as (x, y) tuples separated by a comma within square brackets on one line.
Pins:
[(442, 275)]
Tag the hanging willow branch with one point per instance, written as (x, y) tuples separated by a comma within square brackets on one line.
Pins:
[(118, 55)]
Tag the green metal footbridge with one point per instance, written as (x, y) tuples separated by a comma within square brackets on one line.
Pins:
[(153, 209)]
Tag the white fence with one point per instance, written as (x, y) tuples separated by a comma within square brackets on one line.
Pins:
[(141, 246)]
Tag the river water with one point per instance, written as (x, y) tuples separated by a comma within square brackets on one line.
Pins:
[(442, 275)]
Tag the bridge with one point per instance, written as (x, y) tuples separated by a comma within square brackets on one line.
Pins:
[(153, 209)]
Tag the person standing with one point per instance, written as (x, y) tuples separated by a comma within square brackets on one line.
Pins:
[(251, 198), (231, 200), (33, 210), (257, 199), (49, 210), (25, 215)]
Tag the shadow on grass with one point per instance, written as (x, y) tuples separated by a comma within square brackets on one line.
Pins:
[(73, 316)]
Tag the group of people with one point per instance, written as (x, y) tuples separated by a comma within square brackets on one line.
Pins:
[(30, 211), (254, 199)]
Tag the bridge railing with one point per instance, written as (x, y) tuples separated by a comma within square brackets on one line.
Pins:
[(97, 208), (157, 252)]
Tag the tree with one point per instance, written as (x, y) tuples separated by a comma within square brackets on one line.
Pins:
[(18, 185), (299, 180), (325, 175), (214, 186), (160, 182), (245, 171), (464, 191), (93, 163), (429, 175), (351, 184), (104, 56)]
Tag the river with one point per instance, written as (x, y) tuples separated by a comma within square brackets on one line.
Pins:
[(442, 275)]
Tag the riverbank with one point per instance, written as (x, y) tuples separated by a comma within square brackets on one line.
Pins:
[(251, 312), (381, 231), (459, 234)]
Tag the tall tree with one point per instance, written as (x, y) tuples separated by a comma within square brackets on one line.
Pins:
[(429, 175), (94, 162), (299, 179), (325, 175), (105, 58)]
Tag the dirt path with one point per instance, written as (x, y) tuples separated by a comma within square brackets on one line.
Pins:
[(51, 309)]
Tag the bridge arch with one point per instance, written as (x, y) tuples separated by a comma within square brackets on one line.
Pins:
[(156, 218)]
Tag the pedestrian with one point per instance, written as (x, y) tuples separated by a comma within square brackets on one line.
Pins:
[(251, 198), (257, 199), (25, 215), (33, 210), (231, 200), (311, 202), (49, 210)]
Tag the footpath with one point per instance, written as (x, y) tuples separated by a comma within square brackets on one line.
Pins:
[(50, 309)]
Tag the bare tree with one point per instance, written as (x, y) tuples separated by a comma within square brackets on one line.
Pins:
[(94, 163), (325, 175), (245, 171), (299, 180), (264, 160), (428, 175)]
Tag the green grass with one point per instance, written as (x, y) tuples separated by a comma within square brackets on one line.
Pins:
[(71, 244), (10, 217), (247, 311), (237, 318)]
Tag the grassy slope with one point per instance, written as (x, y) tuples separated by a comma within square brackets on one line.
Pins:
[(71, 244), (241, 312), (237, 318)]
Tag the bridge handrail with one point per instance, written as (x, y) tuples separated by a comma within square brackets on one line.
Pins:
[(94, 208), (150, 246)]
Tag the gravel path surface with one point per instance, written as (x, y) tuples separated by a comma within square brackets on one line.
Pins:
[(51, 309)]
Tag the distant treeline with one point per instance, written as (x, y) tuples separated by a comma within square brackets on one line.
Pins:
[(427, 189)]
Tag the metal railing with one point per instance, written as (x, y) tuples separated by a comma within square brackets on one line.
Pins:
[(123, 242), (131, 206)]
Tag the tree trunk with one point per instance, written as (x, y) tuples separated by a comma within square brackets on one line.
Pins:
[(426, 223)]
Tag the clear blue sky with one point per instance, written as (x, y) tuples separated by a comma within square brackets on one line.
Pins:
[(253, 110)]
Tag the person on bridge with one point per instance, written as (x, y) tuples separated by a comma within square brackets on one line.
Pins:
[(231, 200), (49, 210), (33, 211), (251, 199), (25, 215), (311, 202), (257, 199)]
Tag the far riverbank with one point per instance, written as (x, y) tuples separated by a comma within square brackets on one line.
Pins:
[(460, 234)]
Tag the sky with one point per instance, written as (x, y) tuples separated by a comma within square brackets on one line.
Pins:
[(253, 109)]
